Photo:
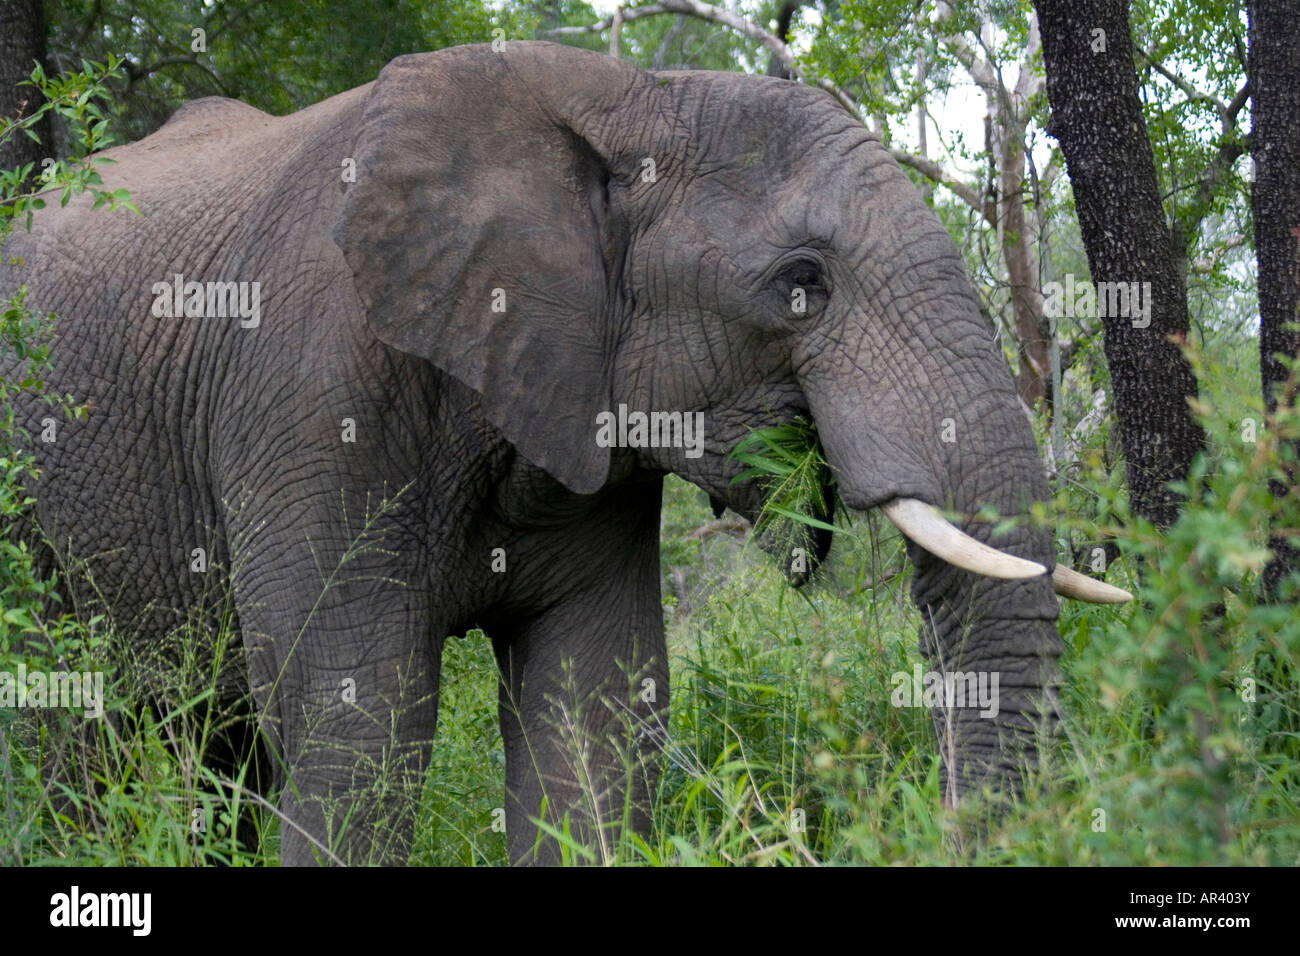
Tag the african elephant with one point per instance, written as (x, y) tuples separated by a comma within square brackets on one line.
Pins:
[(395, 424)]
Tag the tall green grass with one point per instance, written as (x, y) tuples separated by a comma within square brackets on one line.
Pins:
[(783, 746)]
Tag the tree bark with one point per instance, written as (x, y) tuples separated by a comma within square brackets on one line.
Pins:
[(22, 44), (1274, 64), (1097, 118)]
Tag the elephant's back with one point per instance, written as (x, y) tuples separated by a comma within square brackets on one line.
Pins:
[(218, 188), (228, 195), (211, 146)]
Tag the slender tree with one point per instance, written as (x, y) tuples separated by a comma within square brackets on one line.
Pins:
[(1092, 87)]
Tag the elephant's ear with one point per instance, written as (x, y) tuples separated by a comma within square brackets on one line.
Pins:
[(478, 233)]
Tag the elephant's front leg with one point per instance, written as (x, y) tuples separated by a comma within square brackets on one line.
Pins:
[(584, 705), (356, 753), (584, 708), (345, 677)]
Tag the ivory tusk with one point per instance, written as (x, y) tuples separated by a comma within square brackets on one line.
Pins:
[(932, 531), (1072, 584)]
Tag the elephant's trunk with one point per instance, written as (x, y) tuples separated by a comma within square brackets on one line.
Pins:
[(991, 641), (998, 639), (993, 647), (931, 413)]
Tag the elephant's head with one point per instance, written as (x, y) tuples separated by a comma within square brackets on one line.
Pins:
[(567, 234)]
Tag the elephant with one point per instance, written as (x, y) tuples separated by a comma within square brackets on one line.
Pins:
[(375, 369)]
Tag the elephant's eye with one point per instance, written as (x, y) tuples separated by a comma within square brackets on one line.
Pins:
[(804, 274), (801, 287)]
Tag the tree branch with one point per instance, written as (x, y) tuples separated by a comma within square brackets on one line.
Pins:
[(1211, 262), (615, 28), (636, 13), (1238, 101), (932, 170), (134, 72), (1229, 151), (1192, 92), (673, 32), (705, 11), (981, 71)]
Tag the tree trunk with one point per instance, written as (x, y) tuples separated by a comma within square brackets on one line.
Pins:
[(22, 43), (1097, 118), (1275, 199), (1034, 381)]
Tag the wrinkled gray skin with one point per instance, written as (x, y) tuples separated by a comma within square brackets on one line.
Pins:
[(522, 171)]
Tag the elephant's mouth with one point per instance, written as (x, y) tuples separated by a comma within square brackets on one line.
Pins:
[(802, 551), (800, 548)]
